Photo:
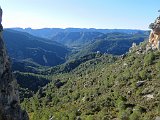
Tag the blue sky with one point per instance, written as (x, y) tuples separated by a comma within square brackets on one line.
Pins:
[(124, 14)]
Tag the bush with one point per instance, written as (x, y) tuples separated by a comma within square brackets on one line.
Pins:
[(121, 103), (143, 74), (158, 66), (148, 59), (90, 117), (135, 116), (123, 115)]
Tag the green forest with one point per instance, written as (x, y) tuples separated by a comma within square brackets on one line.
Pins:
[(97, 87)]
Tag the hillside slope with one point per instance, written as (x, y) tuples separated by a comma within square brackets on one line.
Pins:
[(116, 43), (103, 88), (76, 39), (23, 46), (111, 43)]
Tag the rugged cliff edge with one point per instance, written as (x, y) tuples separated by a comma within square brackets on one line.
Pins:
[(9, 98)]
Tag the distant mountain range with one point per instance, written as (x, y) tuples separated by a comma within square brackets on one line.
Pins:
[(52, 32), (27, 50), (75, 37)]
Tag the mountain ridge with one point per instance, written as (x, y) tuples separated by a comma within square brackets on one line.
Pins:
[(51, 32)]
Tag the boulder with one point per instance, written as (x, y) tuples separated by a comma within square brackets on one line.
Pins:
[(58, 83), (140, 83), (149, 96), (157, 118)]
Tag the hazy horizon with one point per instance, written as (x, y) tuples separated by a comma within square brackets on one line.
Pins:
[(73, 28)]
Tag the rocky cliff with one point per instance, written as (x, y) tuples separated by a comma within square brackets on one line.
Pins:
[(154, 38), (9, 98)]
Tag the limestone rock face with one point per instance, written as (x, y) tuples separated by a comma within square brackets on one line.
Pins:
[(154, 38), (9, 98)]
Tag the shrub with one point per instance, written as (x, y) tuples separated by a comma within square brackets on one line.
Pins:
[(123, 115), (143, 74), (148, 59), (158, 66), (90, 117), (135, 116)]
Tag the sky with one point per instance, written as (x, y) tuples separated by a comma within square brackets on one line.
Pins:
[(104, 14)]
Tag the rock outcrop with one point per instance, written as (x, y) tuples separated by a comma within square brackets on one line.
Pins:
[(154, 38), (9, 98)]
